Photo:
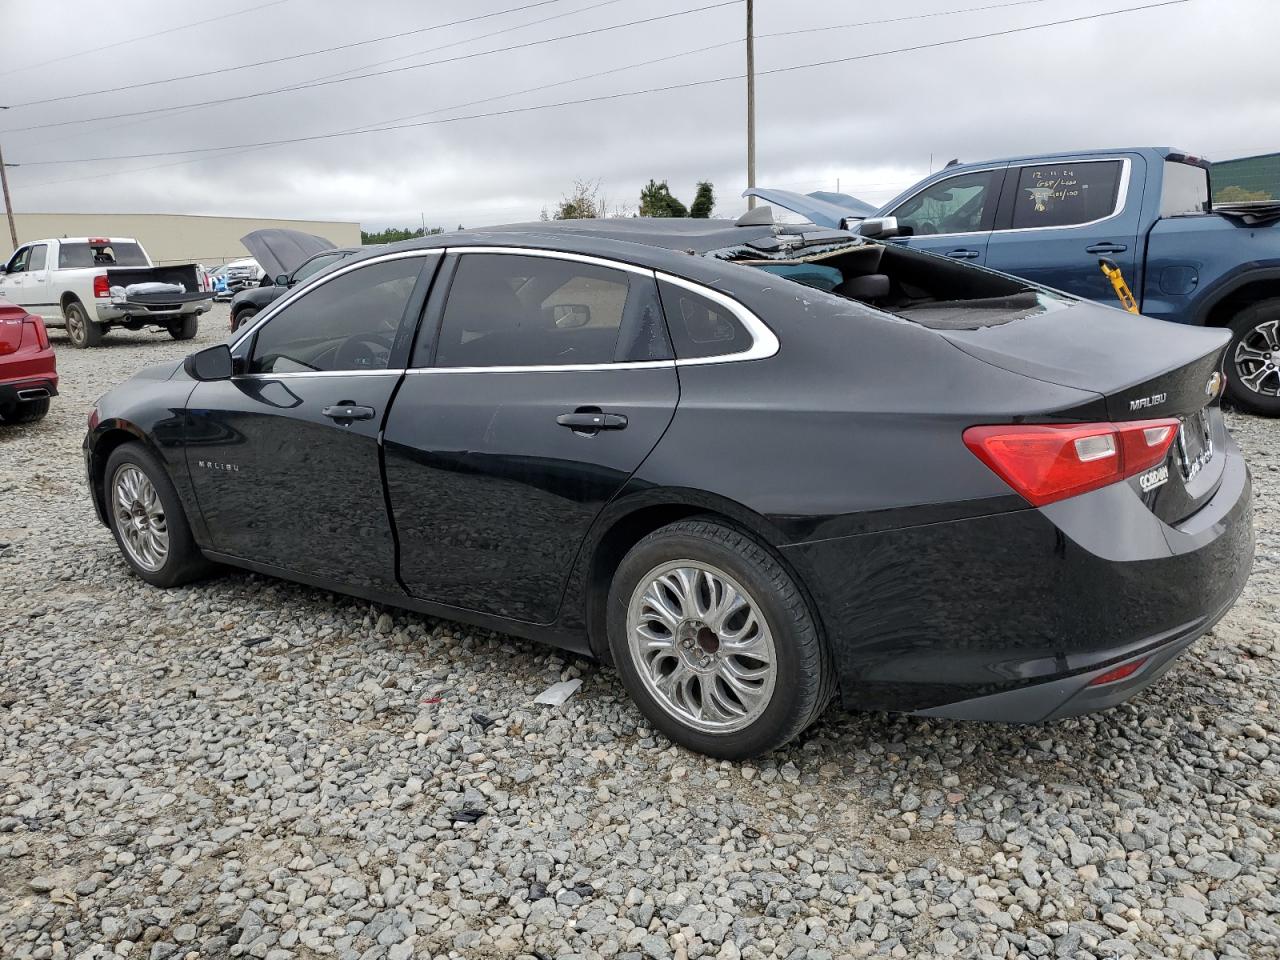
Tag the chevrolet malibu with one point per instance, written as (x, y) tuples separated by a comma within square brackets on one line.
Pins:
[(754, 467)]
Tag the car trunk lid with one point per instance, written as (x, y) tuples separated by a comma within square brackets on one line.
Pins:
[(1142, 369)]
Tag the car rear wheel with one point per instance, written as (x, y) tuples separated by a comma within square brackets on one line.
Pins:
[(26, 411), (147, 519), (186, 328), (81, 331), (715, 641), (1252, 361)]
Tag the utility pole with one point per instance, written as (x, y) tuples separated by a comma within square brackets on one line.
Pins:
[(751, 102), (8, 207)]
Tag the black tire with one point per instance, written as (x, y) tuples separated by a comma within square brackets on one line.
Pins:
[(27, 411), (1251, 327), (186, 328), (81, 331), (184, 562), (804, 677), (241, 317)]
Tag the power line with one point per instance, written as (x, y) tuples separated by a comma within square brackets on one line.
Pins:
[(146, 36), (381, 73), (619, 96), (287, 59)]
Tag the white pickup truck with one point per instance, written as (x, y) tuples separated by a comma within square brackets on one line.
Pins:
[(88, 285)]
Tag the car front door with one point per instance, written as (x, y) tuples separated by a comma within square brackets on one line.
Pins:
[(1058, 218), (284, 456), (36, 287), (952, 216), (548, 382), (13, 282)]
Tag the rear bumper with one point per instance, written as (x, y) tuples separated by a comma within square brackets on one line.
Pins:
[(1009, 617), (138, 313), (33, 388)]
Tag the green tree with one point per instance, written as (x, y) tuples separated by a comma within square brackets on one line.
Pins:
[(656, 201), (1240, 195), (704, 201), (394, 234), (582, 203)]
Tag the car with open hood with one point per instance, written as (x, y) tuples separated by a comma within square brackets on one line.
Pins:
[(756, 468), (287, 258)]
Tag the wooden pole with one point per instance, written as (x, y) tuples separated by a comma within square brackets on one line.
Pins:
[(8, 206), (751, 102)]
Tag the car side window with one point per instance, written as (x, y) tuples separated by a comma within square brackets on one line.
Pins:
[(1065, 194), (38, 258), (347, 323), (701, 327), (959, 204), (18, 262), (511, 310)]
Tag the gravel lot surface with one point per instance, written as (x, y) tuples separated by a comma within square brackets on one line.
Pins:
[(370, 784)]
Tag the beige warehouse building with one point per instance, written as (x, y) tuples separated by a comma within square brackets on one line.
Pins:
[(171, 237)]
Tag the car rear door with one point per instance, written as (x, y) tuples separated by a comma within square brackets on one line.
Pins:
[(284, 455), (539, 384), (952, 216), (1057, 218)]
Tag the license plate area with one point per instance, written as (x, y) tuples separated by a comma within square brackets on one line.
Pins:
[(1194, 445)]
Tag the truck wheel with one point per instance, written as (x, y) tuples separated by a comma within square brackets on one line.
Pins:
[(715, 642), (186, 328), (147, 519), (1252, 362), (81, 331), (27, 411)]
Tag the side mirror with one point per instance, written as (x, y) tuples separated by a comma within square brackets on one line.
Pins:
[(282, 280), (211, 363), (570, 316), (879, 228)]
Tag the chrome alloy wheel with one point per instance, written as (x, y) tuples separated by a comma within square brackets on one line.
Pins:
[(140, 518), (702, 646), (1258, 358)]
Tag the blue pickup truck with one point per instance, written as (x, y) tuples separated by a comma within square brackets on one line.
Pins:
[(1050, 218)]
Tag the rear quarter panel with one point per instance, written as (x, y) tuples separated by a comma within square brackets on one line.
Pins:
[(1192, 262)]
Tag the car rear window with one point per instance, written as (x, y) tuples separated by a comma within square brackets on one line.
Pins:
[(1066, 194), (1186, 190), (76, 255)]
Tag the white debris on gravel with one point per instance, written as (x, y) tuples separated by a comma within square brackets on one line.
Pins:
[(370, 784)]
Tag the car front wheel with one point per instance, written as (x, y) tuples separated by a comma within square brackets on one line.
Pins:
[(147, 519), (715, 641)]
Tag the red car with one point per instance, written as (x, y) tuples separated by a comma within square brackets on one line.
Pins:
[(28, 374)]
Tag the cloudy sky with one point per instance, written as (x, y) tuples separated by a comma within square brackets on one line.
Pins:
[(1173, 74)]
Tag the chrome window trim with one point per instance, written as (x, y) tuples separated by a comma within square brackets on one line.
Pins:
[(764, 343), (308, 286), (294, 374), (1122, 194)]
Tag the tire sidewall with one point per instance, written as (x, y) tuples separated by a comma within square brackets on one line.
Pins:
[(184, 556), (82, 323), (1241, 326), (244, 316), (787, 713)]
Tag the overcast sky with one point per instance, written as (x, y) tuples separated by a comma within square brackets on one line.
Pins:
[(1173, 75)]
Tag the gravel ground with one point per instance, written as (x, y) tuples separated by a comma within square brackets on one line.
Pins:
[(366, 783)]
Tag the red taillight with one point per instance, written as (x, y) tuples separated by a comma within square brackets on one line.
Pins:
[(1119, 673), (1045, 462), (101, 288), (42, 335)]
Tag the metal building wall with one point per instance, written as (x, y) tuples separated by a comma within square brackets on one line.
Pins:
[(171, 238)]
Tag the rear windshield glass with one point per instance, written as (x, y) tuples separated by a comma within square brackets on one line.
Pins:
[(73, 255), (1186, 190), (932, 291)]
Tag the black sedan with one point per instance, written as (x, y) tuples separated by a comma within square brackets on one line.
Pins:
[(288, 257), (754, 467)]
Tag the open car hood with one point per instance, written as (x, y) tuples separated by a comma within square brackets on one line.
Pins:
[(823, 209), (283, 251)]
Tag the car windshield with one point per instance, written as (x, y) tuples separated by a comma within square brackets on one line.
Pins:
[(928, 290)]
